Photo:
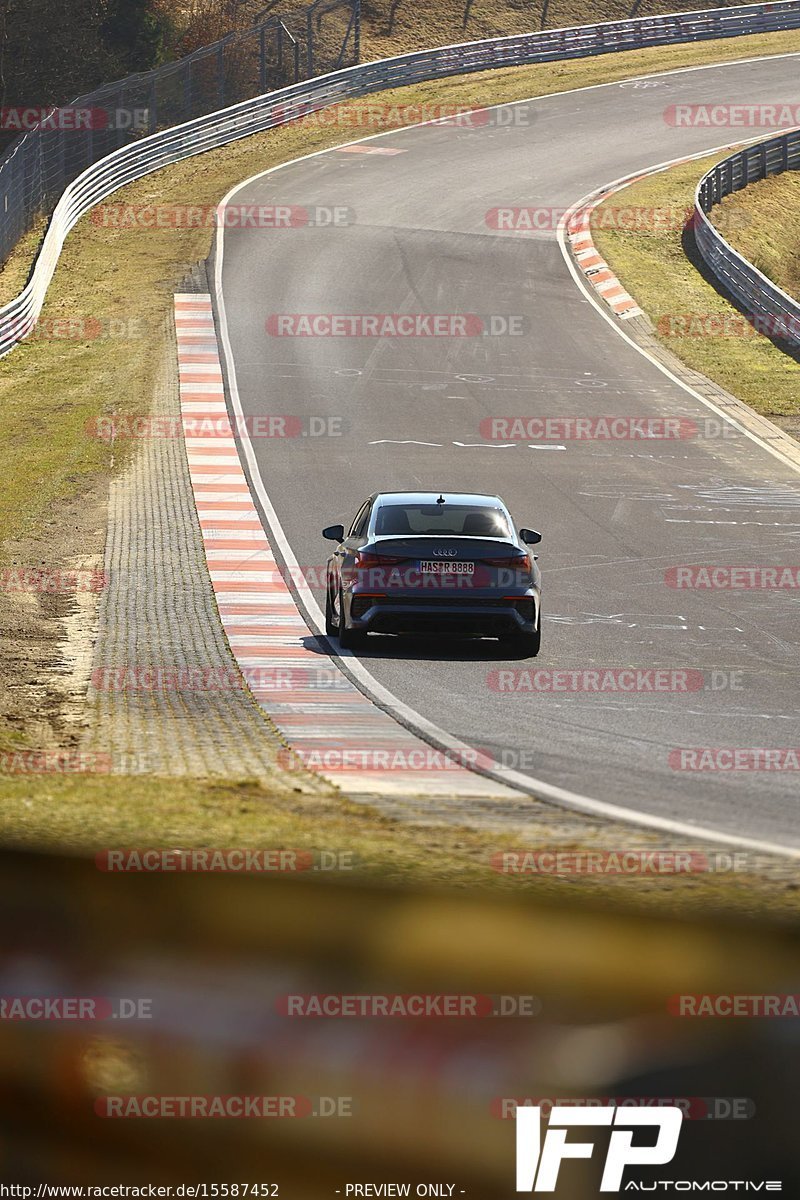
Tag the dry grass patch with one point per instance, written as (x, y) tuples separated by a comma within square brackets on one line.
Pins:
[(654, 266)]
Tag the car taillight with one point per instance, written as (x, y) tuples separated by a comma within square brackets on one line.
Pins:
[(516, 561), (377, 560)]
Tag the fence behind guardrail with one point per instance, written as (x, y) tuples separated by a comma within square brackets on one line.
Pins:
[(139, 158), (771, 310), (282, 49)]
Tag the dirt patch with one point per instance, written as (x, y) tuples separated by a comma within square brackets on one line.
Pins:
[(48, 608)]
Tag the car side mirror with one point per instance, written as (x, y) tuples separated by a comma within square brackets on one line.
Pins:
[(530, 537), (334, 533)]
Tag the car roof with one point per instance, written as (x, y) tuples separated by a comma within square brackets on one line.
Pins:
[(476, 499)]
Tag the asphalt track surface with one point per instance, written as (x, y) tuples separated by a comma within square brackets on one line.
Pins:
[(615, 515)]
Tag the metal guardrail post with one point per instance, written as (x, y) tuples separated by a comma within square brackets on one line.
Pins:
[(221, 73), (62, 165), (188, 99), (262, 59), (152, 116)]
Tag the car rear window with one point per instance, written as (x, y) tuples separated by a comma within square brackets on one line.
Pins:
[(463, 520)]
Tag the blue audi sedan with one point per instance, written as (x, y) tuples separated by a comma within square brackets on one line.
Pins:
[(434, 563)]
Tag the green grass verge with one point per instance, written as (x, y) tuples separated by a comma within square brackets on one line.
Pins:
[(85, 815), (762, 222), (654, 267)]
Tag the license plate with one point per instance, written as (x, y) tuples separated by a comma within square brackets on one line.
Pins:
[(447, 568)]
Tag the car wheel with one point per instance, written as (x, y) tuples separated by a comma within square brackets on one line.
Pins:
[(331, 624), (526, 645), (349, 639)]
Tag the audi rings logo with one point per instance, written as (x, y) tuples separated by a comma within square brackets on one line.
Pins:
[(445, 553)]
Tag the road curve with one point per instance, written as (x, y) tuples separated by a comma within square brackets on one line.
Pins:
[(615, 515)]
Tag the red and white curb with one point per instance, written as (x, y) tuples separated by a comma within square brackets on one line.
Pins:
[(329, 725), (595, 267)]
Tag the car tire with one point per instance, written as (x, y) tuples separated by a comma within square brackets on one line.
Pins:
[(331, 624), (526, 645), (349, 639)]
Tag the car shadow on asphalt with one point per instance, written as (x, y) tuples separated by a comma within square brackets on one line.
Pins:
[(405, 647)]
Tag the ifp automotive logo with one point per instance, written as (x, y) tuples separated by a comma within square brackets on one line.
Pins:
[(538, 1165)]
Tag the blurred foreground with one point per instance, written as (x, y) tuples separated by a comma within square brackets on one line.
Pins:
[(209, 986)]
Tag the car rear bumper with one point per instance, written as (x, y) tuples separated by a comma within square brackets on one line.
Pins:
[(459, 618)]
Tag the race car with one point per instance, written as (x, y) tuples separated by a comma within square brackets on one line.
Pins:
[(434, 563)]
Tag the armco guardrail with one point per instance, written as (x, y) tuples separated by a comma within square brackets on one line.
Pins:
[(771, 310), (133, 161)]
